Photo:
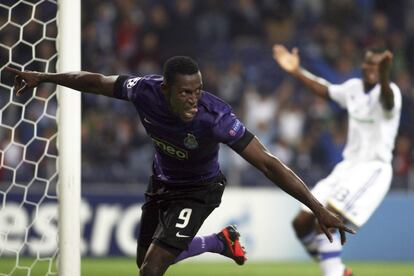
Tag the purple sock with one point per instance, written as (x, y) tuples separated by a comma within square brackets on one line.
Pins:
[(201, 244)]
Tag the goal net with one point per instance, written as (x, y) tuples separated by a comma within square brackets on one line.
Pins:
[(34, 234)]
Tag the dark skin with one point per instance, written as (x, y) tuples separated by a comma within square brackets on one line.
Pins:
[(375, 70), (183, 96)]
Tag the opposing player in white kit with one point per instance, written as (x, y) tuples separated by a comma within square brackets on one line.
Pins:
[(358, 184)]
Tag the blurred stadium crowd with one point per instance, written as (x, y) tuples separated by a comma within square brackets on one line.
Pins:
[(232, 40)]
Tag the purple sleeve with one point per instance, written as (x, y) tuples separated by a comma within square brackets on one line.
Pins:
[(228, 129), (127, 87)]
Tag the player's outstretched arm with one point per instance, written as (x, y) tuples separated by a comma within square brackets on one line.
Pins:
[(81, 81), (387, 96), (290, 62), (257, 155)]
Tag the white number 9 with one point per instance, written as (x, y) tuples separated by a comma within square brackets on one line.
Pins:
[(185, 217)]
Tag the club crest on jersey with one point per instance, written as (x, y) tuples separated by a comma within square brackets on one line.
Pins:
[(190, 142), (132, 82), (236, 126)]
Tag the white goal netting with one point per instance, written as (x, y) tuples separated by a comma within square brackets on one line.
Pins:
[(28, 137)]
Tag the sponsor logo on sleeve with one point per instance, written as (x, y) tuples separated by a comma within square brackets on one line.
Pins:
[(235, 128), (132, 82)]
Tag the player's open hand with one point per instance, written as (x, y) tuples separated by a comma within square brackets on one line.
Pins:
[(24, 80), (327, 220), (289, 61)]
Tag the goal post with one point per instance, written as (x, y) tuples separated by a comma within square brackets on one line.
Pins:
[(40, 141), (69, 139)]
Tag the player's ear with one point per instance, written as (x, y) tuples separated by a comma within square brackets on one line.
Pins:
[(165, 88)]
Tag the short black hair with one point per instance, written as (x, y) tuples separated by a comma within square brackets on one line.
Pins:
[(179, 65)]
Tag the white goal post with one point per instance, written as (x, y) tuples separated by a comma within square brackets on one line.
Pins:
[(69, 136), (40, 141)]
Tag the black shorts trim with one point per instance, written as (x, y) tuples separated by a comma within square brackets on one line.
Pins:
[(169, 248)]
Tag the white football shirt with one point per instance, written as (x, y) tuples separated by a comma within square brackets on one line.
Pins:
[(371, 128)]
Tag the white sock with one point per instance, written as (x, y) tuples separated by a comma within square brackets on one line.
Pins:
[(311, 245), (330, 255)]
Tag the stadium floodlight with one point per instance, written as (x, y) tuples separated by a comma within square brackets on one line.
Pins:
[(40, 140)]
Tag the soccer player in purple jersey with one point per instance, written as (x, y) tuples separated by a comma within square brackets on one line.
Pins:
[(186, 125)]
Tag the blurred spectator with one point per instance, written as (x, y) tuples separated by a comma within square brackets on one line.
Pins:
[(213, 25)]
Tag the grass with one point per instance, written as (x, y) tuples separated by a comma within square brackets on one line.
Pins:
[(126, 267)]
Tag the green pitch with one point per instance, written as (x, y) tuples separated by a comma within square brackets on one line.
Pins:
[(126, 267)]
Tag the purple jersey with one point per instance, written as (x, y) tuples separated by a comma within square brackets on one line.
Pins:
[(185, 152)]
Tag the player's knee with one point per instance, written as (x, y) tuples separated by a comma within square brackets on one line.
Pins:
[(303, 224), (297, 224), (147, 269)]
